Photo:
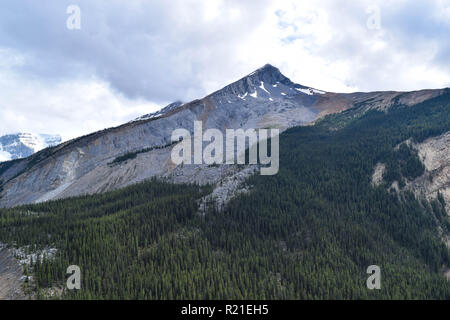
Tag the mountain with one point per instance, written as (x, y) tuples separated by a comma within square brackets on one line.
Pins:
[(161, 112), (136, 151), (22, 145), (346, 197)]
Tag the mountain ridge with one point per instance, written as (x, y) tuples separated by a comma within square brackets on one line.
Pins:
[(320, 215), (264, 98)]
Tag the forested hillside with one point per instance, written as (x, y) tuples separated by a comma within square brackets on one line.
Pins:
[(310, 232)]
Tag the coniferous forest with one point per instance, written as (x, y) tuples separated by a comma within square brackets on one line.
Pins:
[(309, 232)]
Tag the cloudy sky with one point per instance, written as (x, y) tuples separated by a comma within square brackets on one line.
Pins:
[(132, 57)]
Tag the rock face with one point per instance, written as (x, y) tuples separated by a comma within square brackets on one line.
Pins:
[(263, 99), (166, 109), (10, 276), (229, 187), (377, 176), (21, 145), (435, 155)]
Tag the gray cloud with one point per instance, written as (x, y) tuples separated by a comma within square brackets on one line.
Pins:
[(159, 50), (147, 53)]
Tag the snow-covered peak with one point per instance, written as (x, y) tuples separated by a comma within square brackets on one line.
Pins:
[(21, 145), (264, 84)]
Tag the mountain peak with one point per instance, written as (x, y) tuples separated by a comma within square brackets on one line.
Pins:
[(266, 83), (268, 67), (269, 72), (23, 144)]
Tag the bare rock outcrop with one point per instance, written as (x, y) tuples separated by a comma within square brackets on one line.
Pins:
[(377, 176), (435, 155), (11, 276)]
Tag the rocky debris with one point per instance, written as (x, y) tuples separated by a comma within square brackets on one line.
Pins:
[(447, 274), (435, 155), (25, 257), (11, 276), (228, 188), (52, 293), (377, 176), (416, 97)]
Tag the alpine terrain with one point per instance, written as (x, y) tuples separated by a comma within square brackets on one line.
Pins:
[(22, 145), (364, 179)]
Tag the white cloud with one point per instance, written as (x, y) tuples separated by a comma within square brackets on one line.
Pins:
[(70, 108), (4, 156), (131, 56)]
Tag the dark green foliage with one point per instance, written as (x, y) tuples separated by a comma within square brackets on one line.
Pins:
[(309, 232), (401, 164), (110, 236), (133, 155)]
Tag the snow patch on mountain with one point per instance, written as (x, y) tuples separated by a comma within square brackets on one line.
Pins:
[(310, 91), (243, 96), (263, 88), (160, 113), (21, 145)]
